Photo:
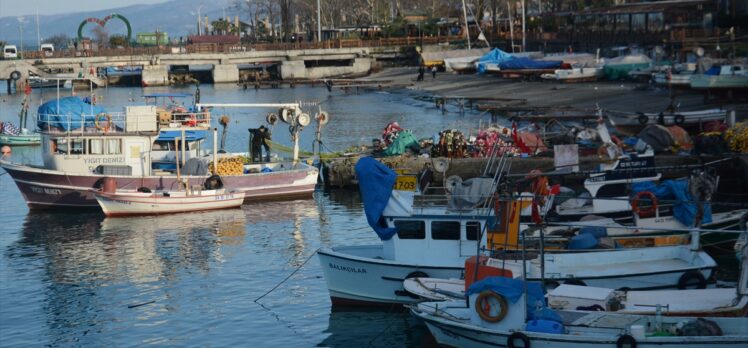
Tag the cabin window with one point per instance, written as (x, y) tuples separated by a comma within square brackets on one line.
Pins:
[(655, 22), (622, 23), (77, 146), (445, 230), (114, 146), (164, 145), (639, 22), (60, 146), (472, 230), (95, 147), (410, 229)]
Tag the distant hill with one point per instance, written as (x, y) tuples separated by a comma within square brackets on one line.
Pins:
[(176, 17)]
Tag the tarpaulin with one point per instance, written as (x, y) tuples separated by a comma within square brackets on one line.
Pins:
[(527, 63), (496, 56), (375, 181), (402, 143), (70, 113), (684, 209)]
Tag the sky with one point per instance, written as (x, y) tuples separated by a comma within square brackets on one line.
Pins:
[(48, 7)]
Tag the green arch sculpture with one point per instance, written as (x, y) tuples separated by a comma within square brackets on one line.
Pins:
[(102, 22)]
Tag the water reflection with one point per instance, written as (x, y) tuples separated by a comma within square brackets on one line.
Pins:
[(375, 329)]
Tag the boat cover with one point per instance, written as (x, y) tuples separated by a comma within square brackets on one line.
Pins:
[(468, 194), (512, 289), (527, 63), (375, 180), (72, 111), (190, 135), (713, 71), (684, 209), (496, 56)]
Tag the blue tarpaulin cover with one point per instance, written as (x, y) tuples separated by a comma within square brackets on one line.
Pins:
[(72, 111), (513, 289), (684, 210), (375, 180), (190, 135), (713, 71), (527, 63), (496, 56)]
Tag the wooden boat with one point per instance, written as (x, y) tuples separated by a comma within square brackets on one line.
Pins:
[(130, 203), (634, 122)]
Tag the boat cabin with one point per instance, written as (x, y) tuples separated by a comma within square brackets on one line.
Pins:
[(139, 141)]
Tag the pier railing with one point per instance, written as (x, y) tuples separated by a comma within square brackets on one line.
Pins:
[(243, 47)]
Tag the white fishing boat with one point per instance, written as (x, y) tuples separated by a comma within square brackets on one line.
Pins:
[(634, 122), (424, 236), (167, 202), (497, 316), (585, 74), (678, 79), (721, 77)]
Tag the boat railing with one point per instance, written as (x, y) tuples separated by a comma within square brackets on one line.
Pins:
[(189, 119), (111, 122)]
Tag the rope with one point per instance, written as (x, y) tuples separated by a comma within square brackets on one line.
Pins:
[(288, 277)]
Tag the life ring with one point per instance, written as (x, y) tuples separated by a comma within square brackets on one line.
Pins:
[(626, 341), (97, 122), (483, 306), (15, 75), (643, 119), (518, 336), (679, 119), (650, 211), (271, 119), (573, 281), (192, 122), (686, 279)]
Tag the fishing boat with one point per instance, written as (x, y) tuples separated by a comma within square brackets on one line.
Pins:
[(620, 67), (575, 75), (82, 144), (130, 203), (634, 122), (721, 77), (510, 312), (674, 79)]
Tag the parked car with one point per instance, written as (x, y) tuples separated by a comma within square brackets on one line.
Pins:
[(47, 49)]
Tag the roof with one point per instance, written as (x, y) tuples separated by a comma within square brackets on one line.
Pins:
[(643, 7), (220, 39)]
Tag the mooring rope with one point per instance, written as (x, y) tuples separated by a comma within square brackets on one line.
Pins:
[(288, 277)]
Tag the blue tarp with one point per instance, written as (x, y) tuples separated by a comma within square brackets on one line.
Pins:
[(375, 180), (713, 71), (684, 210), (527, 63), (496, 56), (513, 289), (72, 111), (190, 135)]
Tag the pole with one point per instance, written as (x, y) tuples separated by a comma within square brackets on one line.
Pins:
[(319, 23), (511, 24), (38, 37), (523, 27), (215, 154), (176, 161), (183, 145), (199, 20), (467, 28)]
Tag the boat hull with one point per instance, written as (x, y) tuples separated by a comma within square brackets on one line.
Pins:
[(357, 277), (457, 335), (46, 189), (155, 204), (20, 140)]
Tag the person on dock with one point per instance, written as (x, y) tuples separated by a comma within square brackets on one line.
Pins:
[(260, 138), (421, 72), (433, 71)]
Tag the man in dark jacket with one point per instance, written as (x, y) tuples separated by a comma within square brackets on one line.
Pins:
[(260, 138)]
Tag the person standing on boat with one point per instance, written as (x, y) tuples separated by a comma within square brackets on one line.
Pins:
[(434, 69), (260, 138)]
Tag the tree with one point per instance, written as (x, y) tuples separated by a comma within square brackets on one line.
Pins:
[(60, 41), (221, 26), (118, 41)]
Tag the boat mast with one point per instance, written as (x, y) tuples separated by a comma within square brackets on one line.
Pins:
[(467, 28), (523, 27)]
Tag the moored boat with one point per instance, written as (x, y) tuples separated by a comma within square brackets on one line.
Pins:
[(732, 77), (634, 122), (167, 202)]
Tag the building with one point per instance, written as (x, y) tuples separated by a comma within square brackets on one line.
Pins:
[(149, 39)]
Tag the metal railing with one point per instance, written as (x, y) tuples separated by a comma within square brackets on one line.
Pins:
[(113, 122)]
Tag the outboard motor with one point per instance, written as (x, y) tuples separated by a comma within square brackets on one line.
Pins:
[(213, 182)]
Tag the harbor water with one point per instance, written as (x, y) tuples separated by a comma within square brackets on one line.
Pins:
[(202, 279)]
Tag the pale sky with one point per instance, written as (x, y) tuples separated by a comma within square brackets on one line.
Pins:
[(47, 7)]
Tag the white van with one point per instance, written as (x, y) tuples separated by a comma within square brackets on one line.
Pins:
[(47, 49), (10, 52)]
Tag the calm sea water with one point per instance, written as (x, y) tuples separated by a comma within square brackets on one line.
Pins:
[(80, 279)]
